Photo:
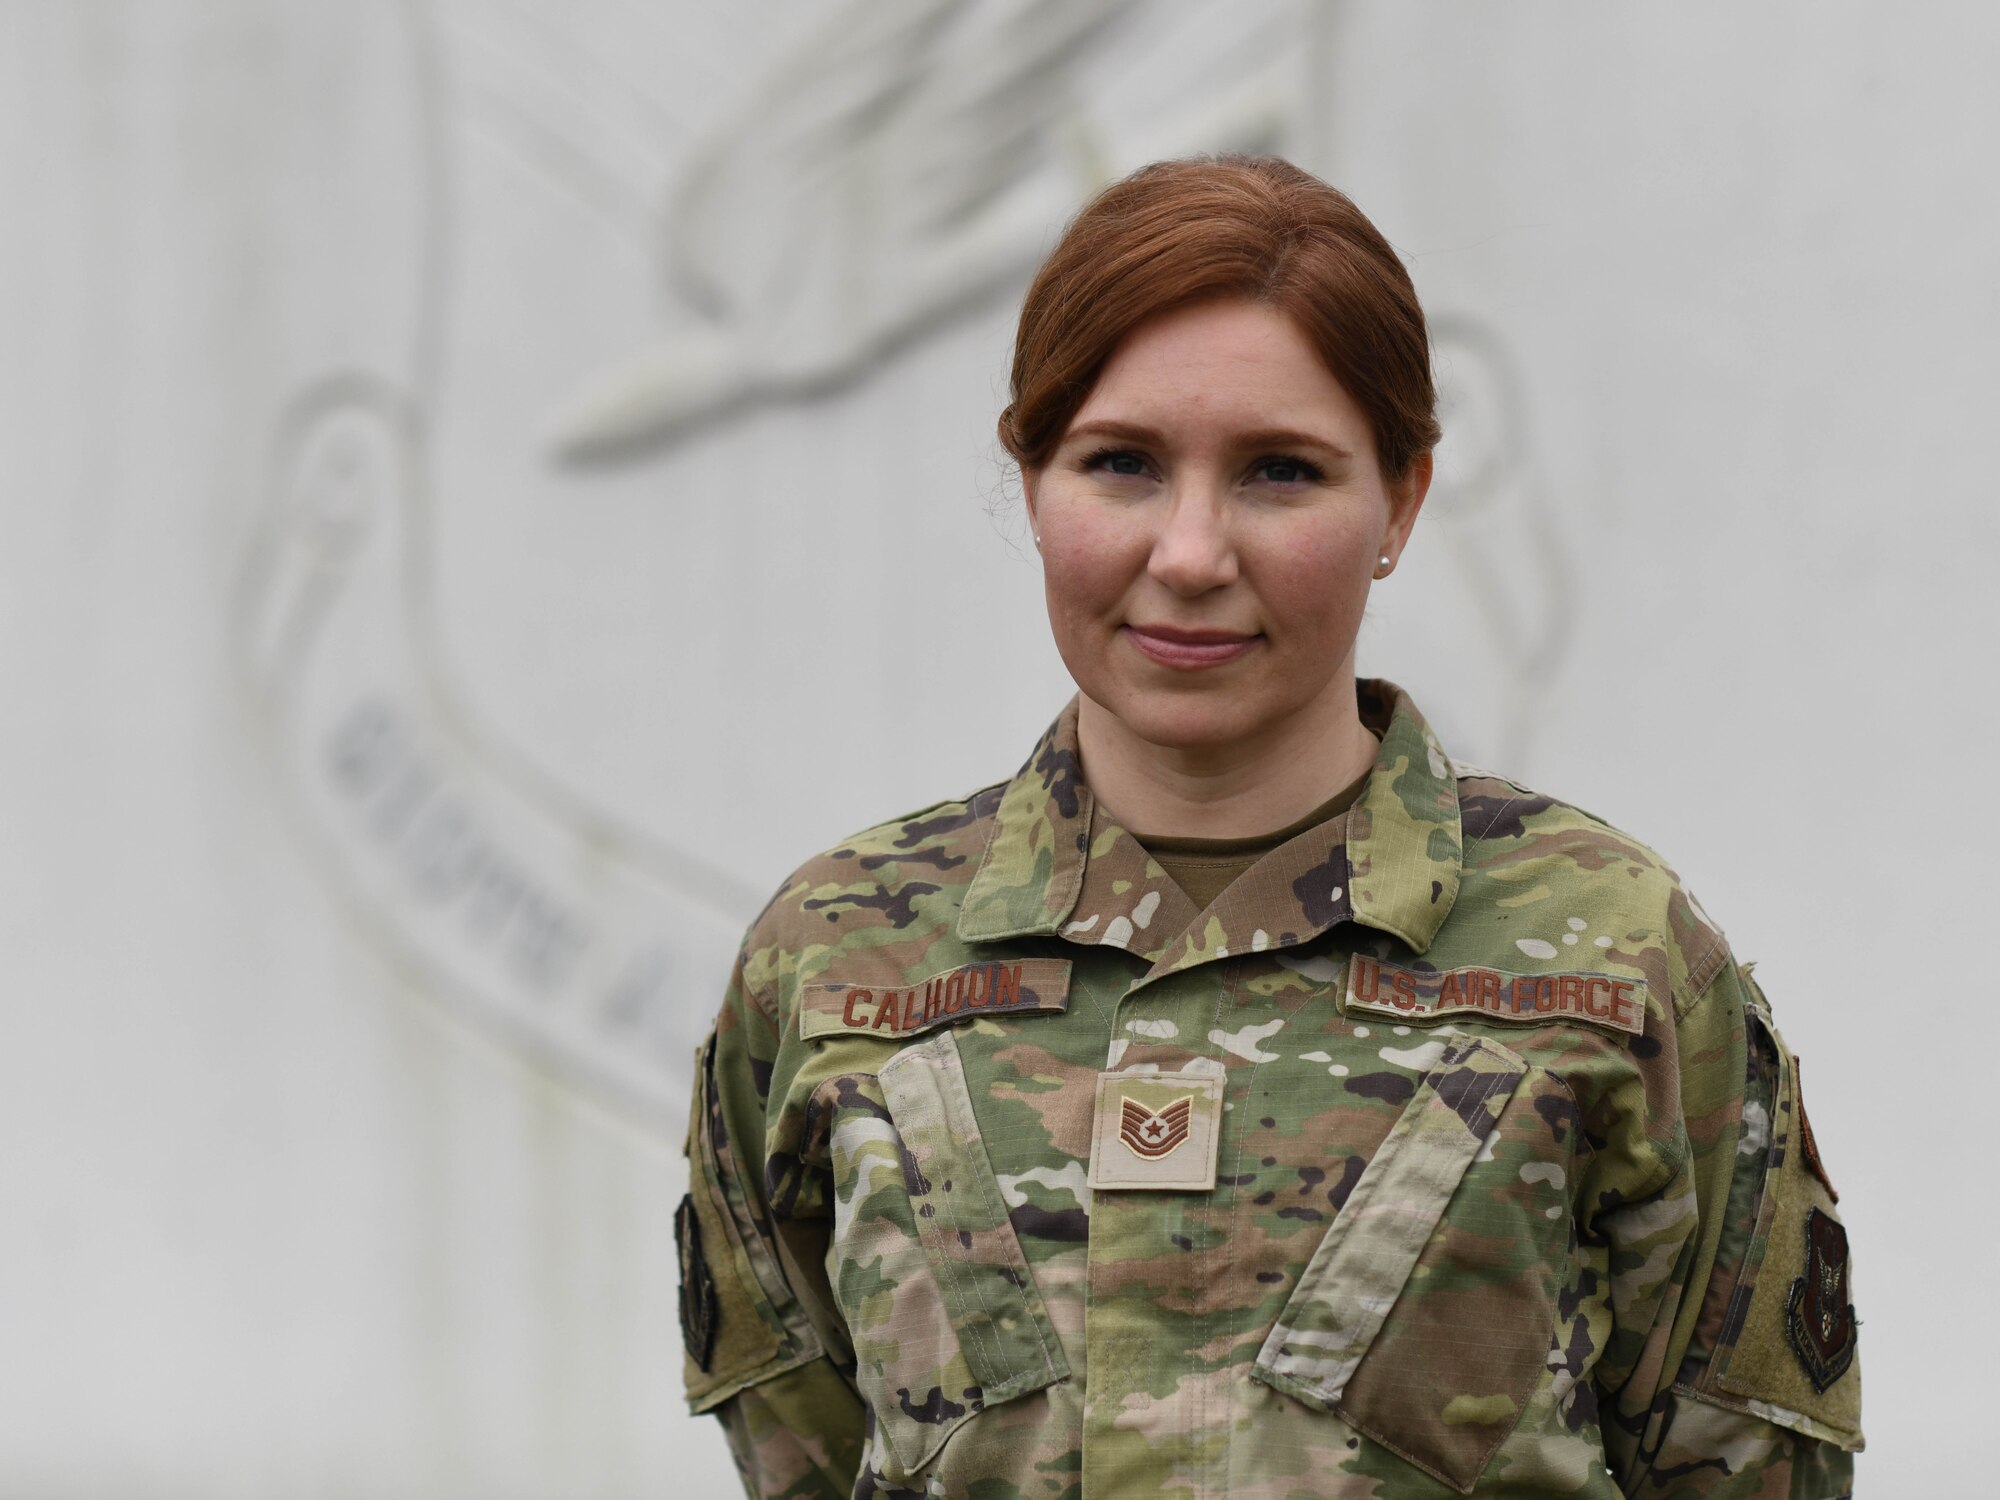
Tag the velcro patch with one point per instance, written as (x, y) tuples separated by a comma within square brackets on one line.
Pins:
[(700, 1311), (1607, 1000), (1819, 1320), (961, 994), (1156, 1131)]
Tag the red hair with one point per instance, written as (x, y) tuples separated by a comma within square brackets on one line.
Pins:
[(1254, 227)]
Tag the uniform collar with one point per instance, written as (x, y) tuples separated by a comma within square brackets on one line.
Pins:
[(1056, 865)]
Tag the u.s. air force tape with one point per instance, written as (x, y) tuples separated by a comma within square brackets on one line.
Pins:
[(837, 1008), (1613, 1001)]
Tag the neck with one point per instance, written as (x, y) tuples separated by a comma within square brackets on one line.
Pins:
[(1232, 790)]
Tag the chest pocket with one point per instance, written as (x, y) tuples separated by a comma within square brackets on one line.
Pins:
[(942, 1308), (1425, 1317)]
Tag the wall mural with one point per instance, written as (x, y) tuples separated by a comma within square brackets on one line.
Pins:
[(904, 163)]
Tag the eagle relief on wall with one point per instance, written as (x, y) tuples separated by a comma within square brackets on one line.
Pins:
[(899, 166)]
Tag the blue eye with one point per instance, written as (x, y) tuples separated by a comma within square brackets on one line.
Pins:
[(1120, 461), (1279, 469)]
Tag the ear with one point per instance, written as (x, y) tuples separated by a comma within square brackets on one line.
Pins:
[(1406, 499), (1028, 478)]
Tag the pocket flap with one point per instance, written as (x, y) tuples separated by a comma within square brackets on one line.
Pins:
[(962, 1221), (1360, 1267), (944, 1312)]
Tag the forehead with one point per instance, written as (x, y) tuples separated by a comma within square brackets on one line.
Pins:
[(1221, 364)]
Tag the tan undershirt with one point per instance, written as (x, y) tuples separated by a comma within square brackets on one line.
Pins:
[(1205, 868)]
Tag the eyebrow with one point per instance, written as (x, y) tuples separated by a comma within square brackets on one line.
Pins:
[(1263, 437)]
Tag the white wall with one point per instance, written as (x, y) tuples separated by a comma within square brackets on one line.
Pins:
[(488, 487)]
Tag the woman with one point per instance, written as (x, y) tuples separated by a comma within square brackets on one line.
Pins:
[(1245, 1099)]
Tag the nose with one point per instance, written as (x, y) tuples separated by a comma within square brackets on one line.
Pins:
[(1193, 551)]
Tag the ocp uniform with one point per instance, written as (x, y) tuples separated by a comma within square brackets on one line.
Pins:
[(1448, 1151)]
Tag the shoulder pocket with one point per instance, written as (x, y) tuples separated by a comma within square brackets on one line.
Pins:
[(1424, 1319), (739, 1323), (1786, 1350), (939, 1300)]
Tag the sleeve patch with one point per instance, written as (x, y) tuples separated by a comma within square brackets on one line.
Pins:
[(1819, 1320), (1788, 1346), (698, 1301), (739, 1325)]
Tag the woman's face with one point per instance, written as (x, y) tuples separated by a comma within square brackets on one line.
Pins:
[(1209, 527)]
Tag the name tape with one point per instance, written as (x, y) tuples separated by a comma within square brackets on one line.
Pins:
[(1606, 1000), (961, 994)]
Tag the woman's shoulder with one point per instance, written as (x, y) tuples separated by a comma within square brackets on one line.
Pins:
[(900, 880), (1569, 881)]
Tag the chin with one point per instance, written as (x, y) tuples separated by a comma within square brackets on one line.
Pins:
[(1187, 720)]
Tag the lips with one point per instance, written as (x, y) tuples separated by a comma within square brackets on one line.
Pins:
[(1188, 650)]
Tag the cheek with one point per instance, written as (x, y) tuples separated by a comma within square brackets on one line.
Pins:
[(1086, 569), (1316, 585)]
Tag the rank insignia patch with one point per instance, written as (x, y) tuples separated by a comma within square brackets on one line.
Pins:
[(1156, 1131), (1154, 1135), (1819, 1320), (698, 1303)]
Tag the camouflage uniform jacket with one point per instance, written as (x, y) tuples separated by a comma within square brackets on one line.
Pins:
[(1448, 1152)]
